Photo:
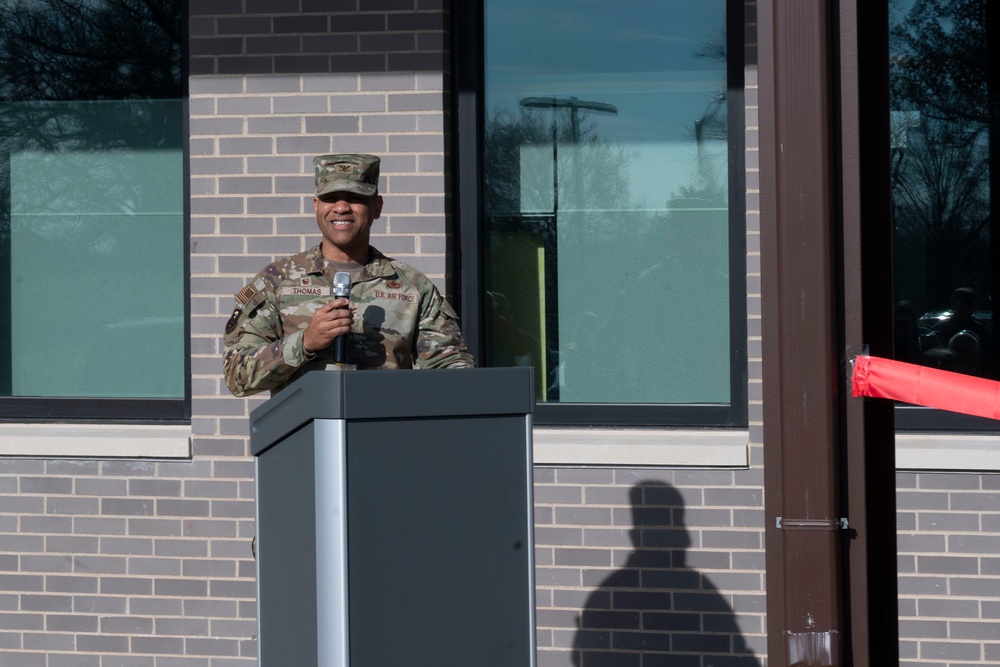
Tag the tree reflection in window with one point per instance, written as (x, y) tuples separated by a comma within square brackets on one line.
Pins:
[(943, 122), (91, 145)]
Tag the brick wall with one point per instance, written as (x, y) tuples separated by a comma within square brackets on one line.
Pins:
[(949, 568), (126, 563)]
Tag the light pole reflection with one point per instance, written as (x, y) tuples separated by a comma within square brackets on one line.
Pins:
[(573, 104)]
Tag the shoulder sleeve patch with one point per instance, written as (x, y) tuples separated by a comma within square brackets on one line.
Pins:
[(244, 295), (233, 320)]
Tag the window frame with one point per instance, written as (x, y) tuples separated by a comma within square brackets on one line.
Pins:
[(127, 410), (468, 69)]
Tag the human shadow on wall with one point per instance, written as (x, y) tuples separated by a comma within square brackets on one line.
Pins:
[(656, 610)]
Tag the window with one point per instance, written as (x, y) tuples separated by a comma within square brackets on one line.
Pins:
[(944, 189), (92, 227), (609, 215)]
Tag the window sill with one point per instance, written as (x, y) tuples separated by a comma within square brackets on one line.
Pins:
[(95, 441), (703, 448), (947, 452), (954, 452), (593, 447)]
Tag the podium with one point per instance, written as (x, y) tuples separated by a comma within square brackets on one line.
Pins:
[(394, 519)]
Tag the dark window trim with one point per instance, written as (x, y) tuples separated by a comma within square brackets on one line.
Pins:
[(700, 415), (18, 409), (467, 60), (101, 410), (913, 419), (6, 344), (185, 403), (467, 130)]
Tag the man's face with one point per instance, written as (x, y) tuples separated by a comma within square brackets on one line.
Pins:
[(345, 220)]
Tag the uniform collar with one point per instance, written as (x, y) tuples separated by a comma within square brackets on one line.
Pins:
[(378, 266), (313, 260)]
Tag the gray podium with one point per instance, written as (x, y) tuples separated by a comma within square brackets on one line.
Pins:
[(394, 520)]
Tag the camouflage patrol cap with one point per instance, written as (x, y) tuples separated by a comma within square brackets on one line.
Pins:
[(347, 172)]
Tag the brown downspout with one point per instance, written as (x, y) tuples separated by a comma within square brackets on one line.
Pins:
[(802, 469), (826, 292)]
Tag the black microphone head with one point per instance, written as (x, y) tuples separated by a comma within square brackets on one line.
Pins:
[(342, 284)]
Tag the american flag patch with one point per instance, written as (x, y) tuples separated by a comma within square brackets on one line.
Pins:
[(245, 294)]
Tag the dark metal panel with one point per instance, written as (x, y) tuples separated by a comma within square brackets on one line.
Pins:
[(440, 548), (866, 251), (286, 552)]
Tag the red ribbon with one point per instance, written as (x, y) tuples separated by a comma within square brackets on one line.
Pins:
[(929, 387)]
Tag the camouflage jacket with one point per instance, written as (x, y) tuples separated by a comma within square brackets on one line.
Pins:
[(400, 321)]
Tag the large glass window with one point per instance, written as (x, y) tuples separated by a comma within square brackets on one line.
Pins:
[(92, 225), (944, 123), (612, 222)]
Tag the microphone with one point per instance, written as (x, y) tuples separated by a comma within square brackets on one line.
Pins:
[(341, 289)]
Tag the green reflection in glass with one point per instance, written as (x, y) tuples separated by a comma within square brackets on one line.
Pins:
[(96, 272), (605, 193)]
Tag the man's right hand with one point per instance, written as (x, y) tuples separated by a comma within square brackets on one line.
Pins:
[(333, 319)]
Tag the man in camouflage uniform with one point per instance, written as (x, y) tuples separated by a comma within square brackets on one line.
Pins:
[(287, 317)]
